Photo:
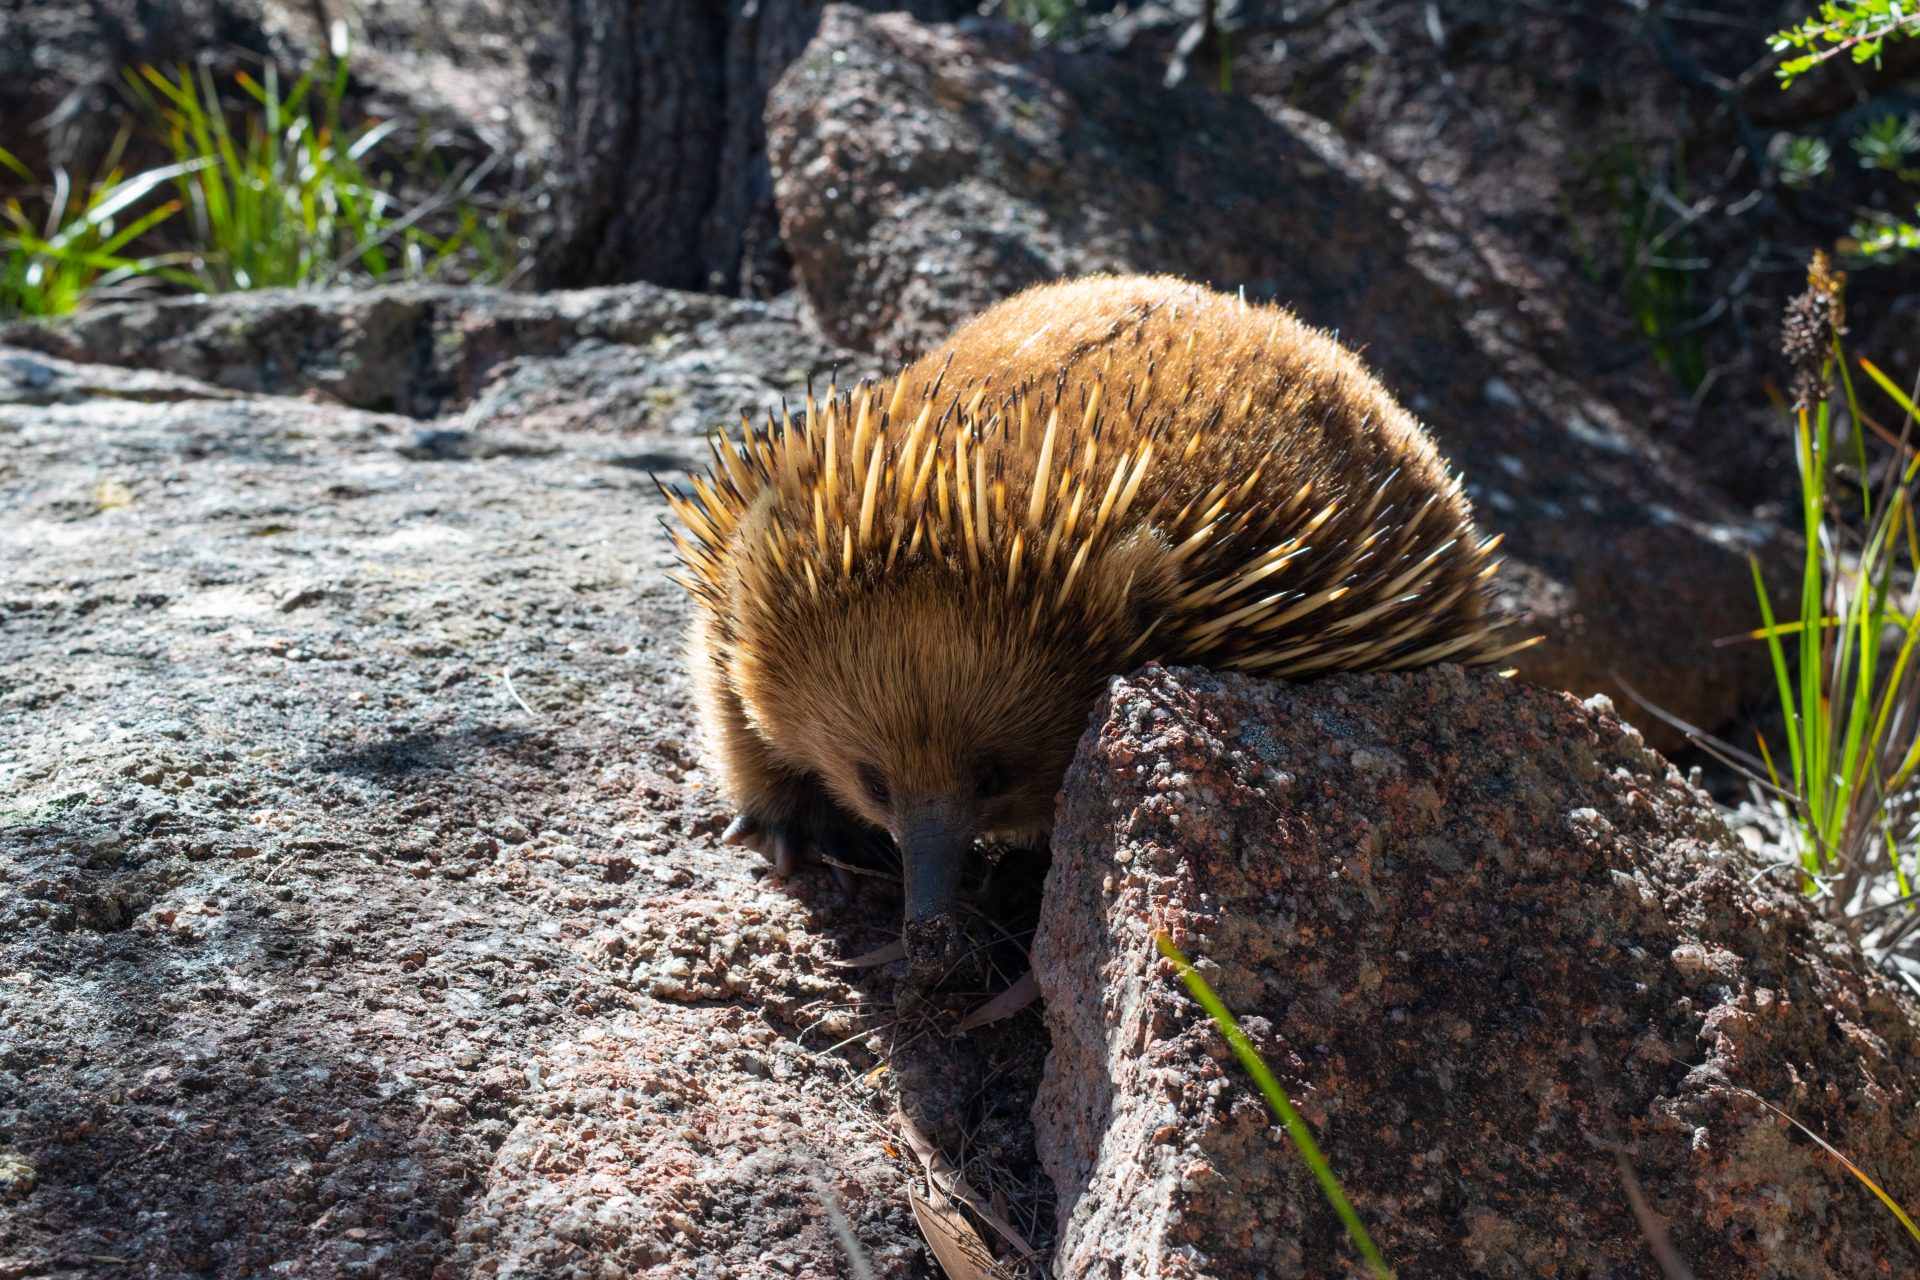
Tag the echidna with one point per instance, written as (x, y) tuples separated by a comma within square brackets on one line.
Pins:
[(908, 601)]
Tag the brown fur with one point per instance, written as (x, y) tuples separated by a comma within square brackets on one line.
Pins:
[(1225, 487)]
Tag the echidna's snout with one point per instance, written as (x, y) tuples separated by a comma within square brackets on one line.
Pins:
[(935, 837)]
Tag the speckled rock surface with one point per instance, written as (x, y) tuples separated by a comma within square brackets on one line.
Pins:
[(361, 907), (1419, 892), (926, 171)]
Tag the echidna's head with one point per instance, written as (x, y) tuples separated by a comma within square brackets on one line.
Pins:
[(941, 707)]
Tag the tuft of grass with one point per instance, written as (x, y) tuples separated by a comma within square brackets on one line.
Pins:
[(1658, 264), (1276, 1102), (284, 199), (1656, 267), (280, 194), (83, 241), (1844, 667)]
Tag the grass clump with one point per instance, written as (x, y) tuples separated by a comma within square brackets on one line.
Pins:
[(1844, 662), (1844, 659), (82, 241), (1656, 274), (271, 188), (286, 199)]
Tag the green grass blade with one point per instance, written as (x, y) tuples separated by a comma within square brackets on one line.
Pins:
[(1890, 694), (1277, 1100), (1893, 857), (1890, 387), (1857, 660), (1766, 758), (1859, 436), (145, 223), (1782, 673), (1892, 1205), (1816, 702), (372, 138), (112, 200), (175, 94)]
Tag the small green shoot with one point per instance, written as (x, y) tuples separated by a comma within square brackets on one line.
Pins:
[(1046, 19), (1276, 1101), (1890, 143), (1802, 161), (1884, 238)]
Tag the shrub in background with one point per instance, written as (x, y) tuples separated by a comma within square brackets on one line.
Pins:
[(80, 243), (1860, 30)]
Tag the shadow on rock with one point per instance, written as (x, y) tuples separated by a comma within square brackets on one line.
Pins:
[(216, 1120), (415, 752)]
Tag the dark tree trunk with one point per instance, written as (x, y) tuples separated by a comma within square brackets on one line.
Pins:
[(662, 160), (662, 171)]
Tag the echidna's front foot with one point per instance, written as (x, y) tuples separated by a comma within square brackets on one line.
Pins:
[(777, 842), (822, 832)]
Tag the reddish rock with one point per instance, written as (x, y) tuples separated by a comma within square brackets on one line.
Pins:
[(1420, 893)]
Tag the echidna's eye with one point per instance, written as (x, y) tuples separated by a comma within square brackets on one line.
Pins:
[(990, 779), (875, 784)]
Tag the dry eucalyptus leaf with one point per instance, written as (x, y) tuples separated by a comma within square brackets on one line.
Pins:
[(111, 495), (956, 1246), (947, 1180), (895, 950), (1024, 991)]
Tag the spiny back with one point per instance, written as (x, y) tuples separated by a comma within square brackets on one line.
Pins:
[(1288, 516)]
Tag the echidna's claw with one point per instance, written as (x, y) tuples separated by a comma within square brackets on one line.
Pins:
[(786, 853), (842, 877), (826, 836)]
